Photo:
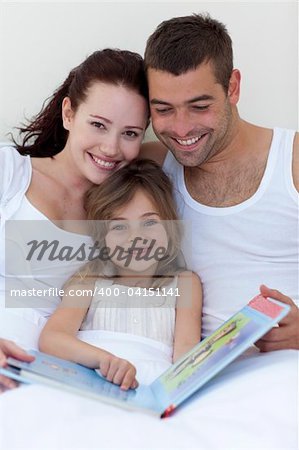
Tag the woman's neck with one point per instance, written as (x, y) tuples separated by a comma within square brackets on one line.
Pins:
[(63, 167)]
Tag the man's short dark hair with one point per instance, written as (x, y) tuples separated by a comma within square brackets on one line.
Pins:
[(183, 43)]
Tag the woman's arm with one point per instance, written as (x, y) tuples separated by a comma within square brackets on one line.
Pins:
[(188, 314), (58, 338)]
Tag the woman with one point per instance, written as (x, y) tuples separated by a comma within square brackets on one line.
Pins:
[(93, 124)]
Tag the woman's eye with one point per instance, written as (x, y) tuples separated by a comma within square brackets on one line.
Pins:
[(131, 133), (98, 125)]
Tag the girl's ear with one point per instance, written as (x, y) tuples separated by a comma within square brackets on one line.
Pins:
[(67, 113)]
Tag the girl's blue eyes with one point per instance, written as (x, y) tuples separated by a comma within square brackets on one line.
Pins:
[(118, 227), (123, 227), (150, 223)]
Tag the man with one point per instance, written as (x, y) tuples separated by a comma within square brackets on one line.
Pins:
[(237, 183)]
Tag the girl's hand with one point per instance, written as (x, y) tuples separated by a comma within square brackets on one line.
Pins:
[(118, 371)]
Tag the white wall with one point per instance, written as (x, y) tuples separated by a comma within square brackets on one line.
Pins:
[(41, 41)]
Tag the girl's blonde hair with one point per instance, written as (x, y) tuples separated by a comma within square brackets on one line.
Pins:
[(103, 200)]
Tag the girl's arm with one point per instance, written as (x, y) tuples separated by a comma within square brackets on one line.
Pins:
[(188, 314), (58, 338)]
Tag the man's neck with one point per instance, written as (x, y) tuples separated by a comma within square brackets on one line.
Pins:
[(234, 174)]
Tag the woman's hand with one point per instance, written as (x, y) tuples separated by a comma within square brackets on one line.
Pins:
[(9, 348), (118, 371)]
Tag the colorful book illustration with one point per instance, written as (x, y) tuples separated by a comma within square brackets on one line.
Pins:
[(174, 386)]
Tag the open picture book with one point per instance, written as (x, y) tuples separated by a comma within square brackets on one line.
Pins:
[(176, 384)]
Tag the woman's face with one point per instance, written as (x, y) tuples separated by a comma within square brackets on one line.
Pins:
[(106, 130)]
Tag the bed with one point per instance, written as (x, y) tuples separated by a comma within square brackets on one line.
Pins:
[(252, 404)]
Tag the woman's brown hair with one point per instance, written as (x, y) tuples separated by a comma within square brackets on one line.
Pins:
[(45, 135)]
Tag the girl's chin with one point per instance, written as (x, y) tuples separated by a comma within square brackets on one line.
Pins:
[(136, 269)]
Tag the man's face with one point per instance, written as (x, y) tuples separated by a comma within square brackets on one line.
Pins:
[(191, 113)]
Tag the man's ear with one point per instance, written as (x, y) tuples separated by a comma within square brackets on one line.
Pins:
[(67, 113), (234, 87)]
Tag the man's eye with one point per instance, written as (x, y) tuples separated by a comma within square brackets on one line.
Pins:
[(200, 108), (162, 110)]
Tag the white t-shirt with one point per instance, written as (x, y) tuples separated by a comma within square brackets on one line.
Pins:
[(21, 223)]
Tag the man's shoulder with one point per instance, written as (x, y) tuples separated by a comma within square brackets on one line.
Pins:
[(153, 150)]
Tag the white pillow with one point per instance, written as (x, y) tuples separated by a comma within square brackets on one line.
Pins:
[(21, 326)]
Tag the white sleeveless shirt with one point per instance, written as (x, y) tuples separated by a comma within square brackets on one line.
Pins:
[(237, 248), (115, 307)]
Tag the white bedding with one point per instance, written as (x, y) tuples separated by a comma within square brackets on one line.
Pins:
[(252, 404)]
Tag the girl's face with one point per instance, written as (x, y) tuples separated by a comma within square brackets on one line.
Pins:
[(105, 131), (136, 237)]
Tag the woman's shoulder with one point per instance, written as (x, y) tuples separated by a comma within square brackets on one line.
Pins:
[(15, 170), (11, 152), (11, 160)]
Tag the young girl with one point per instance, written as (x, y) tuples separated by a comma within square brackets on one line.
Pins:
[(134, 220)]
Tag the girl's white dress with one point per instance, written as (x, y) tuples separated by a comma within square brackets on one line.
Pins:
[(133, 310)]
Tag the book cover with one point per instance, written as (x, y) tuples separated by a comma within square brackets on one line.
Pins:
[(178, 383)]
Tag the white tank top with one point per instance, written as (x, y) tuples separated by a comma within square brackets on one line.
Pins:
[(237, 248)]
